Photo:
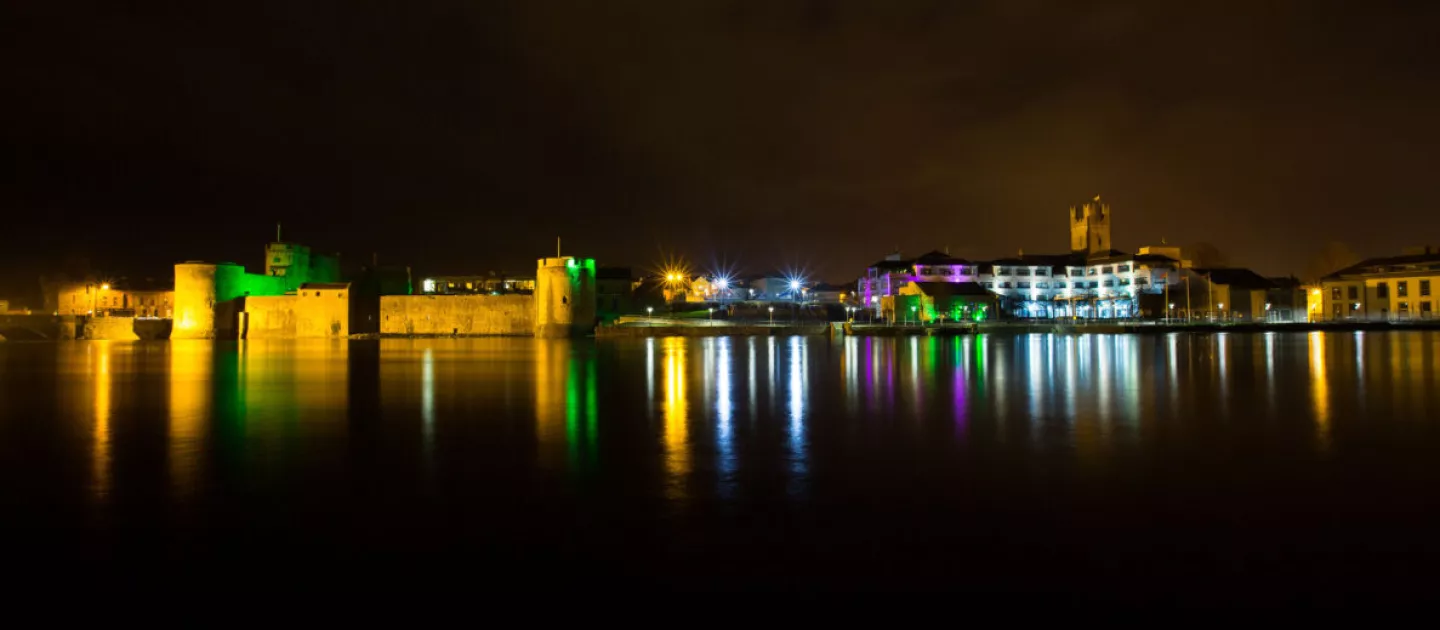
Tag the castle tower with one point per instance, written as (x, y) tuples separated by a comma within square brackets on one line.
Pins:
[(201, 293), (564, 297), (1090, 227)]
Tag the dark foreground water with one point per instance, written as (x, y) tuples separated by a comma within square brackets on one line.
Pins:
[(1199, 466)]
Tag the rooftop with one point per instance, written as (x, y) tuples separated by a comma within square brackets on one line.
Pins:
[(1235, 277), (1392, 264)]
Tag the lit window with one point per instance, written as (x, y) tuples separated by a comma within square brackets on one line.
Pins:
[(1424, 288)]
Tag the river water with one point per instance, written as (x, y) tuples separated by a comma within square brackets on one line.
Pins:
[(1113, 464)]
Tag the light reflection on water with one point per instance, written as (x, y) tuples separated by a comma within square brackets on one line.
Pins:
[(705, 418)]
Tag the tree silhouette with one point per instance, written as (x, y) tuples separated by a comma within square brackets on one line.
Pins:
[(1333, 257), (1206, 255)]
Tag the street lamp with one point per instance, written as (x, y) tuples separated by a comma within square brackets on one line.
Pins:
[(649, 316), (772, 316), (711, 312), (912, 314)]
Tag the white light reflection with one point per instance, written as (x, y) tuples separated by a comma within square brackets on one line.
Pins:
[(724, 414), (427, 406), (1222, 341), (751, 351), (650, 377), (799, 456), (1033, 358), (1270, 370)]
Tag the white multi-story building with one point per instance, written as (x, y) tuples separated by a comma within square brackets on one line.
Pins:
[(1092, 281)]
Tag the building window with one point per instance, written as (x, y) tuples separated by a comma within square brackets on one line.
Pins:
[(1002, 271), (1404, 308), (1094, 284), (1142, 281), (1093, 271), (1079, 285), (989, 285), (1382, 290), (1352, 292), (1042, 272), (1109, 283), (1124, 268), (1042, 285), (1108, 269), (1074, 273), (1124, 282), (1004, 285), (1402, 289), (1424, 288), (1022, 272), (1024, 285), (1424, 309)]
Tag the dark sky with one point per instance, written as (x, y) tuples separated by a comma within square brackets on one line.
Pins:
[(462, 136)]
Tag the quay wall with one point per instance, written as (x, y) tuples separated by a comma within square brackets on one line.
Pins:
[(111, 328), (308, 314), (36, 327), (463, 315)]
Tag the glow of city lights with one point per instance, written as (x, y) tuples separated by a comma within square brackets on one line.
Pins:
[(105, 286), (794, 284), (722, 282)]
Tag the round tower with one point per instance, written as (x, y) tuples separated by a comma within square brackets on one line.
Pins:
[(564, 297), (198, 288)]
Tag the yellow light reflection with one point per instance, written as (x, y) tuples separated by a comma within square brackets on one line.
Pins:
[(191, 365), (1319, 389), (100, 455), (676, 412), (550, 382)]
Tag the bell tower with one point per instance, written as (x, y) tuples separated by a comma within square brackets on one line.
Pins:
[(1090, 227)]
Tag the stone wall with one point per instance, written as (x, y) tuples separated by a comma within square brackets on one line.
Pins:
[(111, 328), (473, 315), (309, 314)]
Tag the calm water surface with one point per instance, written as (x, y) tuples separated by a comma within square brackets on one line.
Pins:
[(1285, 462)]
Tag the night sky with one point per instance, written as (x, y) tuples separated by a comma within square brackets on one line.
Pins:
[(464, 136)]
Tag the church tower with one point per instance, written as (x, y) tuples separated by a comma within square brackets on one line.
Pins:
[(1090, 227)]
